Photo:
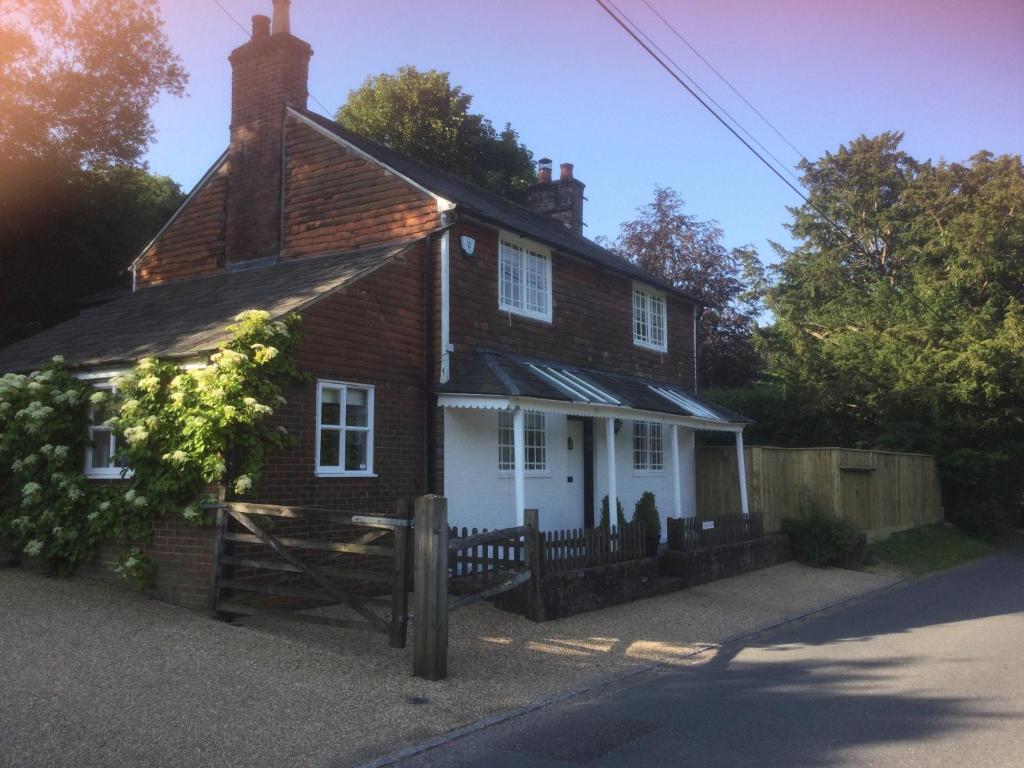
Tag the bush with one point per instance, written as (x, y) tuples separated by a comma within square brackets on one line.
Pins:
[(620, 514), (646, 512), (819, 538)]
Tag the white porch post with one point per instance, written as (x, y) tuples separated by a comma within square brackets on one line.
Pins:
[(677, 481), (613, 490), (742, 464), (519, 445)]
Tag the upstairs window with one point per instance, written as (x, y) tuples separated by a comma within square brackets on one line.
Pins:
[(524, 279), (648, 447), (344, 429), (536, 442), (649, 319), (101, 452)]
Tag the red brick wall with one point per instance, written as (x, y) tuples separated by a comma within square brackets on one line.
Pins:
[(335, 200), (193, 244), (592, 315), (370, 332)]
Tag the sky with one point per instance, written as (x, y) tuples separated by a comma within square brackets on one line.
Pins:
[(948, 74)]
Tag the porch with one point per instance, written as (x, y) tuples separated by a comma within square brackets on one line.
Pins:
[(523, 433)]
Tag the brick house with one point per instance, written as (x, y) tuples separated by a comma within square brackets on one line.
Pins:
[(455, 342)]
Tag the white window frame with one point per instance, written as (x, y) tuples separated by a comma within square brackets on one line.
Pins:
[(103, 473), (329, 471), (647, 464), (530, 250), (645, 295), (506, 469)]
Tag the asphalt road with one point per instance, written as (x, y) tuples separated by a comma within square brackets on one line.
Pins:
[(928, 674)]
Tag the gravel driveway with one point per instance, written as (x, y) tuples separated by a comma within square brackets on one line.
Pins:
[(93, 675)]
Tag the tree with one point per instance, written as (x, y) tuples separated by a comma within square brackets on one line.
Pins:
[(900, 317), (423, 115), (77, 81), (688, 254), (65, 236)]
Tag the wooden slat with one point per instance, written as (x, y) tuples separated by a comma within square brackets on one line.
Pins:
[(313, 572), (321, 546), (341, 573), (511, 583)]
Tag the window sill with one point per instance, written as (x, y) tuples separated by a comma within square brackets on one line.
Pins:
[(648, 473), (650, 347), (526, 315), (509, 474), (329, 473)]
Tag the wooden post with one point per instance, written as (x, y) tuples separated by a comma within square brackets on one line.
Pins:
[(535, 561), (220, 549), (613, 489), (430, 651), (402, 575), (677, 481)]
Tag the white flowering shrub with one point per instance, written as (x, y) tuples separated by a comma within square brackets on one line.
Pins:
[(179, 430)]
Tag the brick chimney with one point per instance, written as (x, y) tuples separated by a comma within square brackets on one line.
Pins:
[(562, 199), (268, 73)]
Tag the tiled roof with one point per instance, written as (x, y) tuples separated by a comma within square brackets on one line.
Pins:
[(488, 372), (494, 208), (189, 317)]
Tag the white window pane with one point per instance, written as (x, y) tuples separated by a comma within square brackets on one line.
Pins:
[(102, 449), (330, 406), (355, 450), (330, 448), (357, 411)]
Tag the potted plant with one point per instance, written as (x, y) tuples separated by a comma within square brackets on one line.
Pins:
[(646, 512), (620, 514)]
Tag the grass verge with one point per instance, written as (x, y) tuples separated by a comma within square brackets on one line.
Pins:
[(928, 549)]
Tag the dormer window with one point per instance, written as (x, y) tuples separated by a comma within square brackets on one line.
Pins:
[(650, 326), (524, 278)]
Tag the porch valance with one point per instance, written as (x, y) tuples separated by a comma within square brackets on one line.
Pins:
[(500, 381)]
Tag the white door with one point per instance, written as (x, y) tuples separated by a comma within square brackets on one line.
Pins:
[(574, 470)]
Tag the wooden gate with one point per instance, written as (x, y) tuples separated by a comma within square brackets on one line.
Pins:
[(278, 560)]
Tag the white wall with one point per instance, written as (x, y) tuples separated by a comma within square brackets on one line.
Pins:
[(632, 484), (481, 496)]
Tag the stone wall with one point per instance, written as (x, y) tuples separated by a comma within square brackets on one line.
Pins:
[(699, 566)]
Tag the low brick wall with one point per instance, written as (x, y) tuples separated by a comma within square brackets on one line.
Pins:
[(183, 555), (590, 589), (699, 566)]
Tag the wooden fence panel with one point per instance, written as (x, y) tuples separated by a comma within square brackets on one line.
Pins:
[(880, 492)]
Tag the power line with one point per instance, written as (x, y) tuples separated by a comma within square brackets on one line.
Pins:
[(241, 26), (707, 95), (835, 225), (723, 78)]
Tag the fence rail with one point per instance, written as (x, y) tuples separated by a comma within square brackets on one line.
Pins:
[(578, 548), (696, 532)]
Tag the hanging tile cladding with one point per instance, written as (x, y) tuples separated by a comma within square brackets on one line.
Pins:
[(592, 315), (193, 244), (370, 332), (336, 200)]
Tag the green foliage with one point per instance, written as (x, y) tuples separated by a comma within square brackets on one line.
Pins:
[(910, 336), (819, 538), (620, 514), (646, 512), (106, 215), (423, 115), (77, 80), (927, 549), (179, 430), (689, 254)]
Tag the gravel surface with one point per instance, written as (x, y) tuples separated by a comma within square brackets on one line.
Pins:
[(92, 675)]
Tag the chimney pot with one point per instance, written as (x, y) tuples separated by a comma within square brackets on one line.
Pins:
[(281, 24), (544, 171), (260, 27), (565, 170)]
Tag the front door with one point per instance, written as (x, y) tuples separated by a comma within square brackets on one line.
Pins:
[(575, 470)]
